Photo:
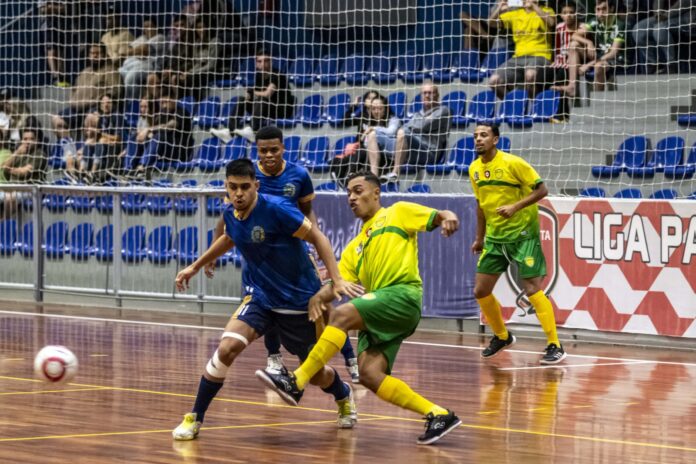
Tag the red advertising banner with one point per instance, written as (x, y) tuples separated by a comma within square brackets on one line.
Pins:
[(615, 265)]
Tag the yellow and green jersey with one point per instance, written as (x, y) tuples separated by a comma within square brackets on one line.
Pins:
[(529, 32), (385, 252), (505, 180)]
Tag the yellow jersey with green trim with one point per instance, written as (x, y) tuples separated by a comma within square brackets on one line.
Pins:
[(505, 180), (385, 252), (529, 32)]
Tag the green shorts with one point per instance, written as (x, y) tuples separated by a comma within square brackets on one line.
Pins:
[(391, 315), (496, 257)]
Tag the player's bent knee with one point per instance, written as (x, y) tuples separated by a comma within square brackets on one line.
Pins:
[(216, 367), (481, 292), (230, 346), (371, 379)]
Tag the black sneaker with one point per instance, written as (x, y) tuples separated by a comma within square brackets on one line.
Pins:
[(497, 345), (554, 354), (438, 426), (283, 383)]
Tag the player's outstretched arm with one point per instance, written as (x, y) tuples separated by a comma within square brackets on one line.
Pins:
[(217, 249), (319, 303), (537, 194), (477, 246), (447, 221), (218, 232), (339, 286)]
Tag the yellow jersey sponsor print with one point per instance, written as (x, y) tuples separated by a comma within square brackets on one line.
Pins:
[(505, 180)]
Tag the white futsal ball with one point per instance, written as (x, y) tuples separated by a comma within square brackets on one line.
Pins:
[(54, 363)]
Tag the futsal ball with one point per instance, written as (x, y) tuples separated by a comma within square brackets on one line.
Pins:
[(55, 363)]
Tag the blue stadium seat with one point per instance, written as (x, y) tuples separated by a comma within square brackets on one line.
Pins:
[(159, 204), (132, 112), (293, 146), (25, 244), (456, 102), (354, 71), (340, 147), (513, 109), (336, 108), (209, 159), (685, 171), (290, 122), (390, 187), (467, 65), (231, 256), (312, 109), (692, 196), (461, 155), (227, 109), (81, 204), (254, 153), (593, 192), (669, 153), (281, 63), (419, 188), (481, 108), (56, 202), (186, 205), (105, 203), (494, 60), (409, 67), (628, 193), (327, 187), (545, 106), (133, 203), (81, 244), (8, 237), (631, 152), (187, 245), (315, 154), (437, 66), (687, 120), (133, 241), (187, 103), (664, 194), (415, 106), (330, 71), (214, 203), (247, 72), (104, 244), (301, 72), (397, 103), (381, 70), (504, 144), (237, 148), (56, 158), (56, 239), (208, 113)]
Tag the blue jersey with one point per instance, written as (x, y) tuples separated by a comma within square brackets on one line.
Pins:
[(292, 183), (278, 273)]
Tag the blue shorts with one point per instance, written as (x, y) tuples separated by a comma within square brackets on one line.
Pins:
[(386, 143), (297, 333)]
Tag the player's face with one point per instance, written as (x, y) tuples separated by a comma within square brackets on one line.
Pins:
[(568, 15), (484, 140), (363, 197), (602, 11), (241, 191), (270, 155), (430, 96)]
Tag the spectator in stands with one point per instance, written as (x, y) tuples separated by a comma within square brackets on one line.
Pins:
[(423, 139), (19, 116), (116, 39), (84, 159), (270, 99), (112, 127), (379, 137), (597, 44), (68, 150), (27, 165), (200, 72), (529, 65), (658, 35), (98, 78), (177, 52), (138, 142), (564, 41), (60, 51), (170, 135), (5, 146), (478, 35), (143, 54)]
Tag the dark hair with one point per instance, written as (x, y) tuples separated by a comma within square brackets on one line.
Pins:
[(568, 4), (269, 133), (262, 52), (494, 127), (369, 177), (241, 168)]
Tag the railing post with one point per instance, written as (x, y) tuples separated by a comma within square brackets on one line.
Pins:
[(37, 218), (202, 246), (118, 245)]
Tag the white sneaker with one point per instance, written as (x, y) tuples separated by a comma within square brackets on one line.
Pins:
[(352, 366), (223, 134), (188, 429), (247, 132), (347, 412), (275, 363)]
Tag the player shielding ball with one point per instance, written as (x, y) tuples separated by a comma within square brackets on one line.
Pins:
[(508, 189), (383, 257), (280, 279)]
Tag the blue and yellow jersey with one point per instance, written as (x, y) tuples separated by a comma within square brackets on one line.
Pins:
[(292, 183), (505, 180), (385, 252), (277, 272)]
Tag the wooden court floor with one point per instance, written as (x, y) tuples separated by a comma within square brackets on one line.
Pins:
[(607, 404)]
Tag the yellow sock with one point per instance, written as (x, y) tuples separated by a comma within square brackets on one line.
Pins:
[(330, 342), (397, 392), (544, 311), (491, 309)]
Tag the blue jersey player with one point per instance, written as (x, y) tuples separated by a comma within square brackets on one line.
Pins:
[(290, 181), (269, 232)]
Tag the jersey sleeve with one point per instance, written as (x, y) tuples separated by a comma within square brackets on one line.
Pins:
[(414, 217), (507, 18), (306, 188), (291, 221), (228, 217), (526, 174), (347, 264), (474, 185)]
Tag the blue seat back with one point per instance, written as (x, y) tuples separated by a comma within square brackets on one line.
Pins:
[(504, 144), (665, 194), (482, 105), (312, 108), (397, 103), (668, 152), (354, 70), (416, 106), (134, 238), (456, 102), (237, 148), (292, 148), (628, 193), (104, 239), (82, 237), (419, 188), (57, 234), (187, 241), (341, 143), (596, 192), (632, 152), (160, 239), (337, 106), (467, 61), (8, 233), (495, 58), (463, 153), (514, 104), (546, 104), (315, 151)]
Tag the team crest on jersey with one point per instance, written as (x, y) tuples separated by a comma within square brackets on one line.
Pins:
[(529, 261), (289, 190), (498, 173), (380, 222), (369, 296), (359, 248), (258, 234), (368, 232), (476, 176), (487, 174)]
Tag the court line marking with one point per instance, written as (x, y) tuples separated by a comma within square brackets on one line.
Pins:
[(67, 390), (567, 366), (13, 359), (369, 418), (407, 342)]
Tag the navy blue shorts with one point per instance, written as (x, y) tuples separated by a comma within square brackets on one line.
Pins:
[(297, 333)]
